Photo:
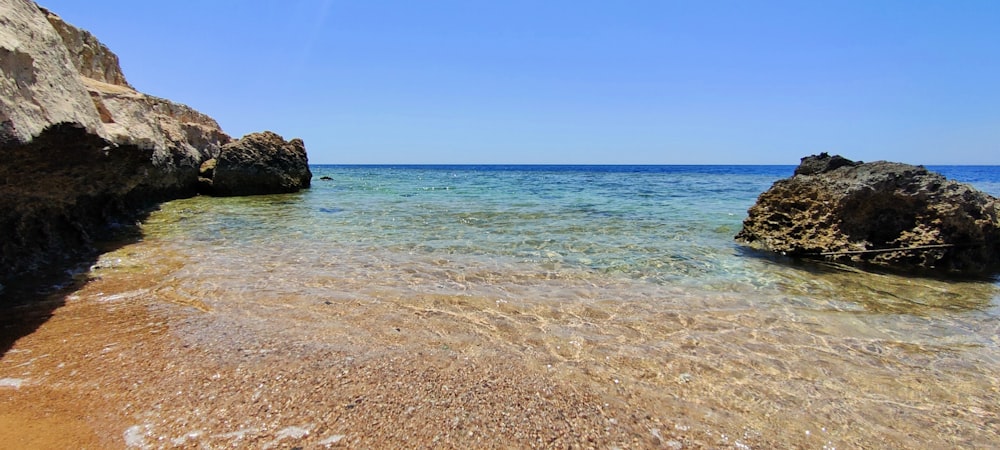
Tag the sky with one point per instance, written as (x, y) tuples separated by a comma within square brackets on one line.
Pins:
[(575, 82)]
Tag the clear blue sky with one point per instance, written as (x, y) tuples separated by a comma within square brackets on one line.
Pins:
[(629, 82)]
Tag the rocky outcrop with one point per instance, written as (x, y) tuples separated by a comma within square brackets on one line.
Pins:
[(91, 58), (63, 191), (82, 153), (56, 73), (885, 214), (39, 84), (181, 138), (258, 163)]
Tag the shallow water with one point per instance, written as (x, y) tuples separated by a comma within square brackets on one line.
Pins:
[(618, 280)]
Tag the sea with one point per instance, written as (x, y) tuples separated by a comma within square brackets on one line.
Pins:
[(622, 276)]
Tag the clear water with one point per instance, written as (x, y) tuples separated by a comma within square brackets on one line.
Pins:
[(612, 276), (655, 227)]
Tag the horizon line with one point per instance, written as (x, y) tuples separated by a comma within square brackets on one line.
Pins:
[(618, 164)]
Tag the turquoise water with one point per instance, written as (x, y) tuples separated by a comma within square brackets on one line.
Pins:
[(614, 277), (663, 225), (659, 226)]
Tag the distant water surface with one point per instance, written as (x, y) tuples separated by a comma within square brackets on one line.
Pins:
[(609, 274)]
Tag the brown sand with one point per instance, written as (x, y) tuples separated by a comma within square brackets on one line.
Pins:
[(140, 357), (114, 374)]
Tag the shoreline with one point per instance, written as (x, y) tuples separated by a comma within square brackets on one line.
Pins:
[(129, 360), (86, 375), (223, 325)]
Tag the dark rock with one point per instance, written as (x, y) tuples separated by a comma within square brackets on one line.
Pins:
[(885, 214), (65, 190), (258, 163), (823, 162), (326, 178)]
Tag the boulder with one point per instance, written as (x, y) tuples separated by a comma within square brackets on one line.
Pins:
[(258, 163), (885, 214)]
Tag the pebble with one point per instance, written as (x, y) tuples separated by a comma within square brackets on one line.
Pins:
[(11, 382), (331, 440)]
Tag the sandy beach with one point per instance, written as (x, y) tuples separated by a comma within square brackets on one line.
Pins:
[(527, 225), (134, 357), (104, 363)]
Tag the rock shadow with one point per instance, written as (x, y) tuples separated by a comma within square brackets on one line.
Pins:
[(28, 301)]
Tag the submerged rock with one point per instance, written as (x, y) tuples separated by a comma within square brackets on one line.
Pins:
[(258, 163), (882, 213)]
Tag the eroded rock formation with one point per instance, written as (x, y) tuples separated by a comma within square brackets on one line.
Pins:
[(258, 163), (180, 137), (881, 213), (82, 152), (91, 58), (39, 84)]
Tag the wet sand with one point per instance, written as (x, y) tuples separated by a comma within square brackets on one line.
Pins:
[(163, 348), (129, 363), (110, 372)]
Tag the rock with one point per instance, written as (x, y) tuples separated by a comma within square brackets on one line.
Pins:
[(823, 162), (885, 214), (39, 84), (180, 136), (91, 58), (52, 72), (326, 178), (260, 163), (81, 158), (82, 153), (62, 192), (205, 174)]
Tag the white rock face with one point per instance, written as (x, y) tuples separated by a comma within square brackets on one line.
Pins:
[(39, 85), (92, 59), (173, 130), (53, 72), (178, 134)]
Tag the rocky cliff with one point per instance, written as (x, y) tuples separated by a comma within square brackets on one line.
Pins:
[(884, 214), (180, 137), (91, 58), (39, 84), (54, 72), (82, 153)]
